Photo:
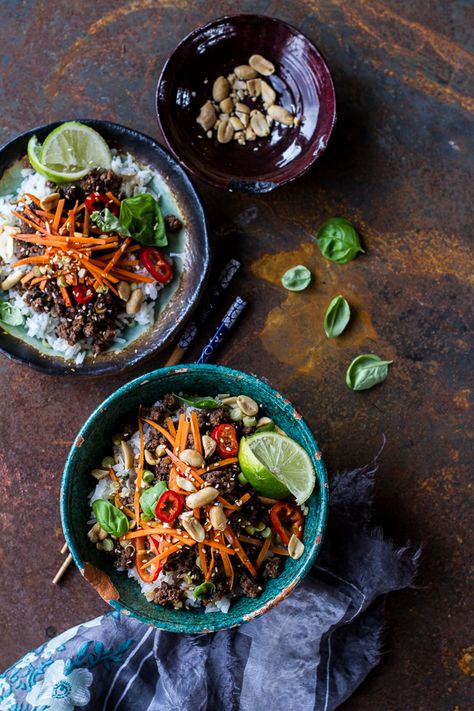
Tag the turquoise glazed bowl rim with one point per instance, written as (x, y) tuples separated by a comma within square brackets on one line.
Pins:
[(114, 586)]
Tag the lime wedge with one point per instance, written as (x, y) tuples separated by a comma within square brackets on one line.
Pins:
[(69, 152), (277, 466)]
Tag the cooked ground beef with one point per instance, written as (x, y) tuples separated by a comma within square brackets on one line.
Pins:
[(251, 513), (222, 479), (153, 440), (271, 568), (124, 557), (83, 321), (71, 194), (184, 561), (208, 419), (162, 468), (249, 587), (171, 402), (168, 594), (172, 223), (101, 182)]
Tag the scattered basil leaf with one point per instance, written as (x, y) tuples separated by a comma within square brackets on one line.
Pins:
[(141, 215), (140, 218), (338, 240), (107, 222), (10, 314), (365, 371), (149, 498), (202, 592), (209, 403), (337, 317), (110, 518), (296, 278)]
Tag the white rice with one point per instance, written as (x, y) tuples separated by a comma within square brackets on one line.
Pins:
[(42, 326)]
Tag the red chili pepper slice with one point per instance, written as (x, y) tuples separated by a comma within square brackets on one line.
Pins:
[(154, 262), (226, 438), (150, 574), (98, 201), (286, 517), (170, 504), (83, 294)]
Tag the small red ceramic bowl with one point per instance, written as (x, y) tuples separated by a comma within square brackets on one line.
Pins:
[(302, 82)]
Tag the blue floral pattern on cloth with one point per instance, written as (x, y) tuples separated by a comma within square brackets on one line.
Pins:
[(115, 663)]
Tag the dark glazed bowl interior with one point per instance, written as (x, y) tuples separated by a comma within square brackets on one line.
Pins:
[(174, 305), (93, 443), (301, 79)]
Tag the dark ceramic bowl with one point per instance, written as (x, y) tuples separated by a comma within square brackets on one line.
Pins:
[(93, 443), (301, 79), (175, 302)]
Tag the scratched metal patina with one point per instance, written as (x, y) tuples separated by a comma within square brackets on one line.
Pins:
[(399, 166)]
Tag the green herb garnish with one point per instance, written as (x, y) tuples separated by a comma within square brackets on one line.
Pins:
[(296, 278), (110, 518), (140, 218), (365, 371), (337, 317), (9, 314), (202, 592), (338, 240), (149, 498), (200, 402)]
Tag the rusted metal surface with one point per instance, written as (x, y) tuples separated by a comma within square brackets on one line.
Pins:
[(398, 165)]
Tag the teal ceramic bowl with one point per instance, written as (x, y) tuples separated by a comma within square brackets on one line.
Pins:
[(92, 444)]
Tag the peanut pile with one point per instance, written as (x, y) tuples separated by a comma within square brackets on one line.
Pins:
[(229, 114)]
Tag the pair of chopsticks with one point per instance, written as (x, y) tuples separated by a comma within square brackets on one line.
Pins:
[(185, 341)]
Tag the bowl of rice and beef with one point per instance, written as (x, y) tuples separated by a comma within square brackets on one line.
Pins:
[(194, 498), (98, 273)]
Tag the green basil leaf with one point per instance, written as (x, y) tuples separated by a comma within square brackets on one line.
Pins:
[(365, 371), (149, 498), (208, 403), (296, 278), (107, 222), (202, 592), (10, 314), (142, 217), (338, 240), (337, 317), (110, 518)]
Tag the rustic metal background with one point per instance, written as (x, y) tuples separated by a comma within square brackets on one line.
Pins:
[(399, 167)]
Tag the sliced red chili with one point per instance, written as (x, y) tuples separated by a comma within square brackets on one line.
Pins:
[(287, 519), (155, 263), (148, 575), (170, 504), (226, 438), (83, 294), (98, 201)]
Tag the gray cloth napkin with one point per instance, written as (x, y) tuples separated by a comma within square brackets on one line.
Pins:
[(308, 653)]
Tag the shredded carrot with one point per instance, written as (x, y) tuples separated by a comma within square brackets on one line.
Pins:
[(232, 538), (116, 256), (34, 199), (197, 513), (243, 499), (28, 277), (218, 465), (65, 295), (37, 259), (160, 429), (71, 219), (132, 276), (183, 442), (202, 557), (256, 542), (85, 226), (196, 433), (219, 546), (57, 216), (134, 248), (229, 570), (113, 198), (43, 283), (211, 566), (263, 551), (138, 481), (171, 427), (171, 549), (154, 531)]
